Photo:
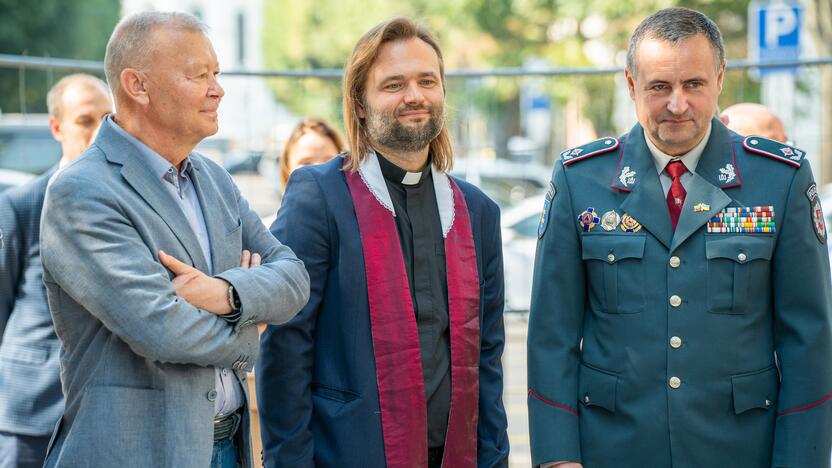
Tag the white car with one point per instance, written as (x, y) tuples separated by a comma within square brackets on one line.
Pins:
[(519, 230)]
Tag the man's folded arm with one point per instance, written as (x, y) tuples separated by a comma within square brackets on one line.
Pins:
[(278, 289), (91, 250)]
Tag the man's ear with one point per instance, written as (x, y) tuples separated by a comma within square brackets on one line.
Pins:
[(133, 85), (359, 107), (55, 128), (631, 83)]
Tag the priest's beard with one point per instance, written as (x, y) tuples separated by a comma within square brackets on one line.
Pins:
[(385, 130)]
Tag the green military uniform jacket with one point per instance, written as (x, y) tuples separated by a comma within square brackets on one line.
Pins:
[(653, 348)]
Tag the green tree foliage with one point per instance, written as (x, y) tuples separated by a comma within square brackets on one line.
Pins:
[(485, 34), (49, 28)]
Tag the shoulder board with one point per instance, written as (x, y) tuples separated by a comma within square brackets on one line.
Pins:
[(774, 150), (588, 150)]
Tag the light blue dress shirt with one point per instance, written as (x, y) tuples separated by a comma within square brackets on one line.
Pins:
[(182, 190)]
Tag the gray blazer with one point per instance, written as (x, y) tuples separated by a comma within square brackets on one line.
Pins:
[(136, 360), (30, 389)]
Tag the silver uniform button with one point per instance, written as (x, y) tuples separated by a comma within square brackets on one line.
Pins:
[(675, 342), (675, 262), (742, 257), (675, 382), (586, 399), (675, 300), (768, 403), (611, 258)]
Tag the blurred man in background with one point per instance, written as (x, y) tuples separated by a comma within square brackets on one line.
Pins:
[(750, 118), (30, 389)]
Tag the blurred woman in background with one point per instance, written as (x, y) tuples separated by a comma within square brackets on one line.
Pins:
[(313, 141)]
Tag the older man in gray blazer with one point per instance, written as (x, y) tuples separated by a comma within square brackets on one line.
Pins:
[(142, 242)]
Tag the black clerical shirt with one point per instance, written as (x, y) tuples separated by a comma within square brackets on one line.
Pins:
[(423, 249)]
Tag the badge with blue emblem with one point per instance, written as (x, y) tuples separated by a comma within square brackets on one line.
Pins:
[(544, 215), (588, 219)]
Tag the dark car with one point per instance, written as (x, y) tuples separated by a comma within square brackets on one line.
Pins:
[(27, 149)]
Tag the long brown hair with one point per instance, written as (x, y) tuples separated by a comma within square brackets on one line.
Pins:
[(307, 125), (356, 72)]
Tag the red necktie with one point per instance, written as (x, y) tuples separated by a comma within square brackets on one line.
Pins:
[(676, 194)]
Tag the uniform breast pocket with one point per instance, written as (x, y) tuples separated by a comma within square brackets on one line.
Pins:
[(615, 272), (735, 265)]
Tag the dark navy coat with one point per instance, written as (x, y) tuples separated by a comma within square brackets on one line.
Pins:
[(689, 349), (316, 377)]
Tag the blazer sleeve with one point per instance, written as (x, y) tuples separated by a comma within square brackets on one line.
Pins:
[(275, 291), (803, 340), (287, 353), (555, 329), (93, 253), (492, 435), (10, 259)]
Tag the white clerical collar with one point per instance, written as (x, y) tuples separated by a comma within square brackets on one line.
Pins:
[(411, 178), (370, 173), (689, 159)]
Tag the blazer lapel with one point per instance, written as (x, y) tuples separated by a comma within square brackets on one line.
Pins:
[(716, 171), (210, 201), (636, 174), (120, 151)]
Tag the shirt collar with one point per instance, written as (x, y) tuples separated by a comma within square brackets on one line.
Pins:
[(157, 164), (689, 159), (395, 174)]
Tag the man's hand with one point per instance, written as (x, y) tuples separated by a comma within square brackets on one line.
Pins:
[(200, 290)]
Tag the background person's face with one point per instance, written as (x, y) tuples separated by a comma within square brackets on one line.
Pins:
[(311, 148), (404, 100), (83, 107), (675, 91), (184, 94)]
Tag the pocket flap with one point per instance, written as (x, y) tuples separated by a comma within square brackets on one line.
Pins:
[(612, 248), (757, 389), (740, 249), (597, 388), (333, 393), (23, 354)]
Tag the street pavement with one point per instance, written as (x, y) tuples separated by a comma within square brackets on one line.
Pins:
[(515, 389)]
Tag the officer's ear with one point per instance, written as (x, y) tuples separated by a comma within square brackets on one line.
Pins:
[(719, 76), (631, 83), (134, 85)]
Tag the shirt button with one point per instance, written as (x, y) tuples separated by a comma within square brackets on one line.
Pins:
[(675, 300), (675, 342), (675, 262), (742, 257), (225, 372), (212, 395), (675, 382), (611, 258)]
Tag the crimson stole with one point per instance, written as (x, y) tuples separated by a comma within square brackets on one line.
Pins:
[(396, 339)]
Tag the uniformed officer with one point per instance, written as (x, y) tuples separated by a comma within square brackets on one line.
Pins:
[(681, 302)]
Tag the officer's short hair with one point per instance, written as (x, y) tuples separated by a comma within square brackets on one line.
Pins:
[(131, 46), (674, 25)]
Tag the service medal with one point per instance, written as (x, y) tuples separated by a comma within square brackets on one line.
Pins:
[(629, 224), (610, 220), (588, 219)]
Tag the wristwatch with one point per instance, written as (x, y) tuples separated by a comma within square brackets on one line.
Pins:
[(234, 299)]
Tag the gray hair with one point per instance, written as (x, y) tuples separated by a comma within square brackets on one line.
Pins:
[(675, 25), (130, 45), (55, 96)]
